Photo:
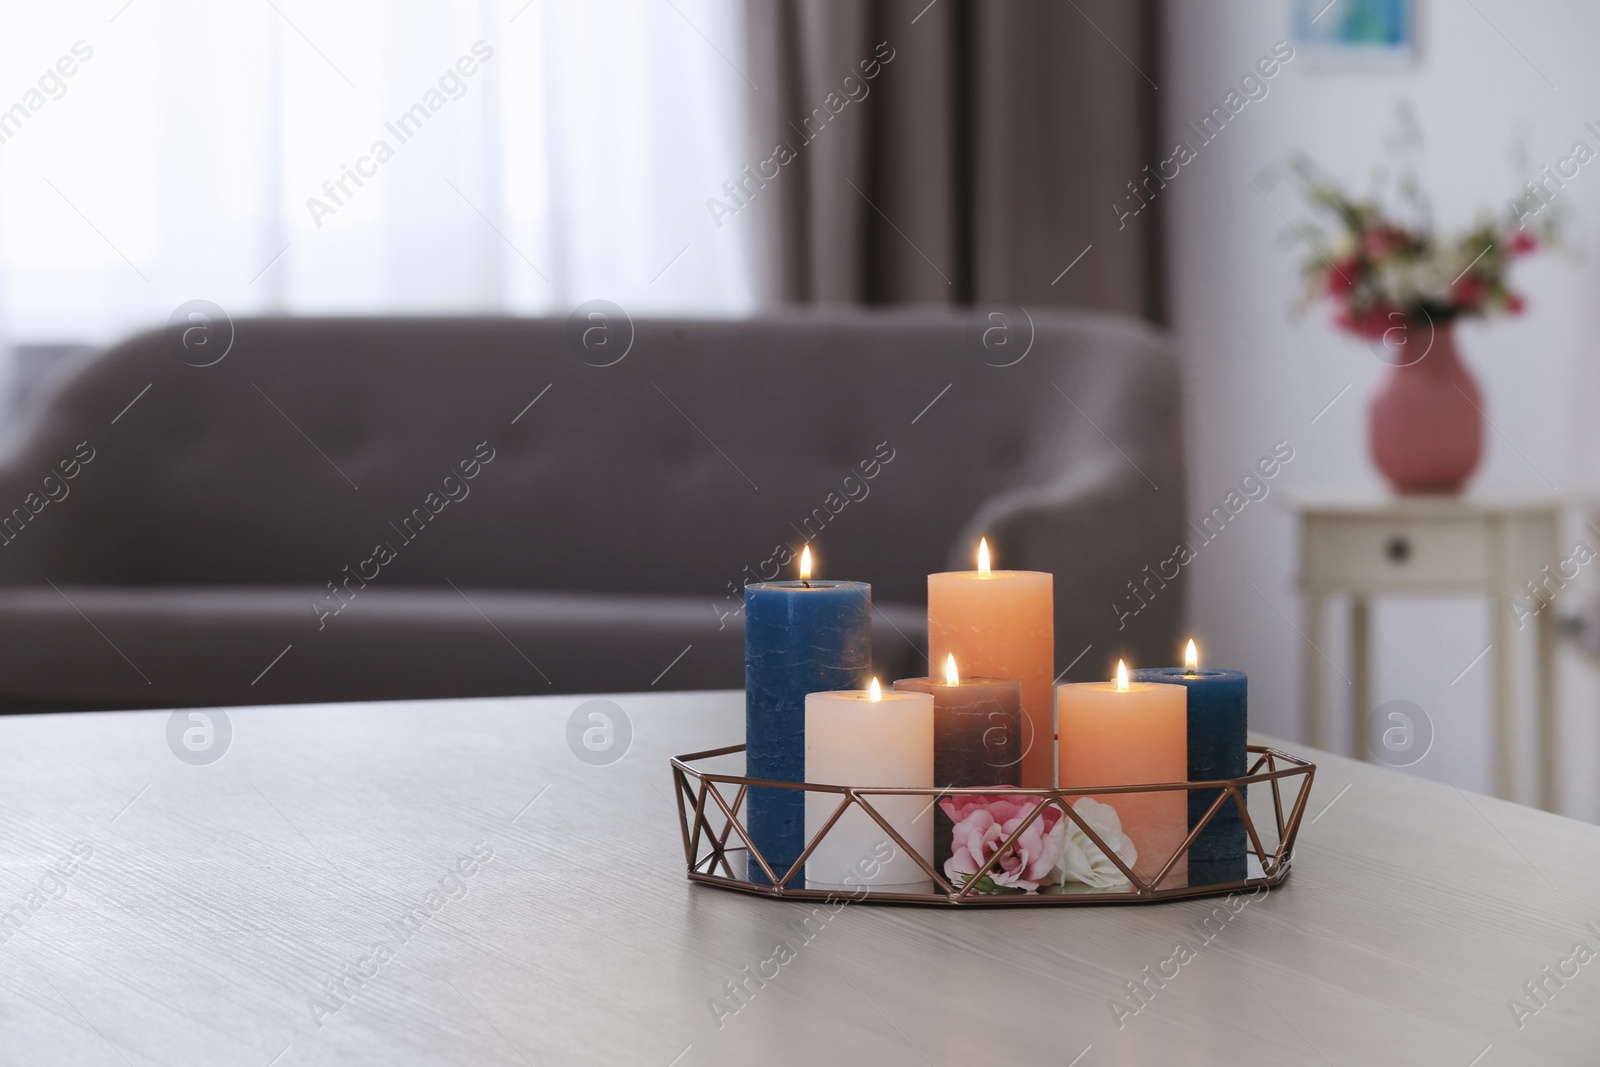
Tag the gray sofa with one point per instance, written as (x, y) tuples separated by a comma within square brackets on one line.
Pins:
[(350, 509)]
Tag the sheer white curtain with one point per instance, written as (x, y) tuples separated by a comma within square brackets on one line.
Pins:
[(364, 156)]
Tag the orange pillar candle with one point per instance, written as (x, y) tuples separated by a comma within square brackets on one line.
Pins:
[(1001, 624), (1132, 733)]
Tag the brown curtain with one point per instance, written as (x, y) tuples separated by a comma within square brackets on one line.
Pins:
[(963, 151)]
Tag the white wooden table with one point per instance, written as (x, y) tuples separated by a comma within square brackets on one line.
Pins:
[(1364, 547), (218, 902)]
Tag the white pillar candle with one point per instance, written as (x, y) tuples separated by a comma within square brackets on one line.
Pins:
[(869, 738)]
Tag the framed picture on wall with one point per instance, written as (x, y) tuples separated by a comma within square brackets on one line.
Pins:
[(1360, 34)]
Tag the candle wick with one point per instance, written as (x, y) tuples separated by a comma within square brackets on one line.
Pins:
[(805, 583), (1189, 673)]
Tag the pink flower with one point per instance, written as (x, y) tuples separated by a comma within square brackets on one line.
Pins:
[(982, 824), (1515, 303), (1522, 244), (1381, 240), (1340, 277), (1468, 291)]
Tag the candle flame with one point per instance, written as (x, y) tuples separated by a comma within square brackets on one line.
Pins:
[(983, 557), (805, 563), (875, 691), (1122, 677), (1191, 657), (950, 675)]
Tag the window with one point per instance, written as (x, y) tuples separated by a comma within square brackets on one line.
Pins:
[(365, 157)]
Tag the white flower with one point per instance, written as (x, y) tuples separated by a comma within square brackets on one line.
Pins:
[(1082, 860)]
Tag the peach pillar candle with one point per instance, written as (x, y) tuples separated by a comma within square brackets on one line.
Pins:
[(1001, 624), (1132, 733)]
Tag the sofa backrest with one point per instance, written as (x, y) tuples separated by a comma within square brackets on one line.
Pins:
[(683, 466)]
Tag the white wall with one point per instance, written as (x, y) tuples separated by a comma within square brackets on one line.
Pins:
[(1255, 375)]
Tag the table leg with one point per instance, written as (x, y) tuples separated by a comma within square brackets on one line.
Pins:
[(1360, 675), (1505, 727), (1549, 742), (1311, 676)]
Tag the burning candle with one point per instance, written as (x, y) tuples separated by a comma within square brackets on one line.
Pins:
[(1131, 733), (1001, 624), (977, 736), (869, 738), (1218, 716), (800, 637)]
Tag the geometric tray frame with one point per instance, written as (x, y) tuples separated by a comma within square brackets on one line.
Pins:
[(709, 821)]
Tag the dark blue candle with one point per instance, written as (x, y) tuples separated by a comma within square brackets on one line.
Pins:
[(1218, 725), (799, 637)]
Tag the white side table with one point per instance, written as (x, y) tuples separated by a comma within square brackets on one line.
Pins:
[(1364, 547)]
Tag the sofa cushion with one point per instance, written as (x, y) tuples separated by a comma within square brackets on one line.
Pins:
[(395, 456), (676, 470), (81, 648)]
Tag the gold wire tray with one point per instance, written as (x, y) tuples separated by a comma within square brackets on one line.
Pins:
[(709, 820)]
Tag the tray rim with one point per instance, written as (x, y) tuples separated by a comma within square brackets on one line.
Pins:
[(1276, 866)]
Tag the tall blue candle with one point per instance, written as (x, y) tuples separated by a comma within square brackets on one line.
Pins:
[(799, 637), (1218, 728)]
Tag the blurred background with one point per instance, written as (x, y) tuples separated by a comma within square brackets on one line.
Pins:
[(953, 154)]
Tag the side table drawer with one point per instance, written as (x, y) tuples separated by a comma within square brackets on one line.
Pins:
[(1394, 553)]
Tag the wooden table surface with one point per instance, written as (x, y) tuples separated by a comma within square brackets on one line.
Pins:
[(253, 912)]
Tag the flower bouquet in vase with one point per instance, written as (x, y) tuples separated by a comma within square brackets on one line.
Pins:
[(1400, 286)]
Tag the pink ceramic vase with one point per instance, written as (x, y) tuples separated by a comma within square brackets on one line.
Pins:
[(1427, 422)]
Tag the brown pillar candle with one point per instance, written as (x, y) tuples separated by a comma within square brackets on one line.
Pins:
[(977, 737)]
